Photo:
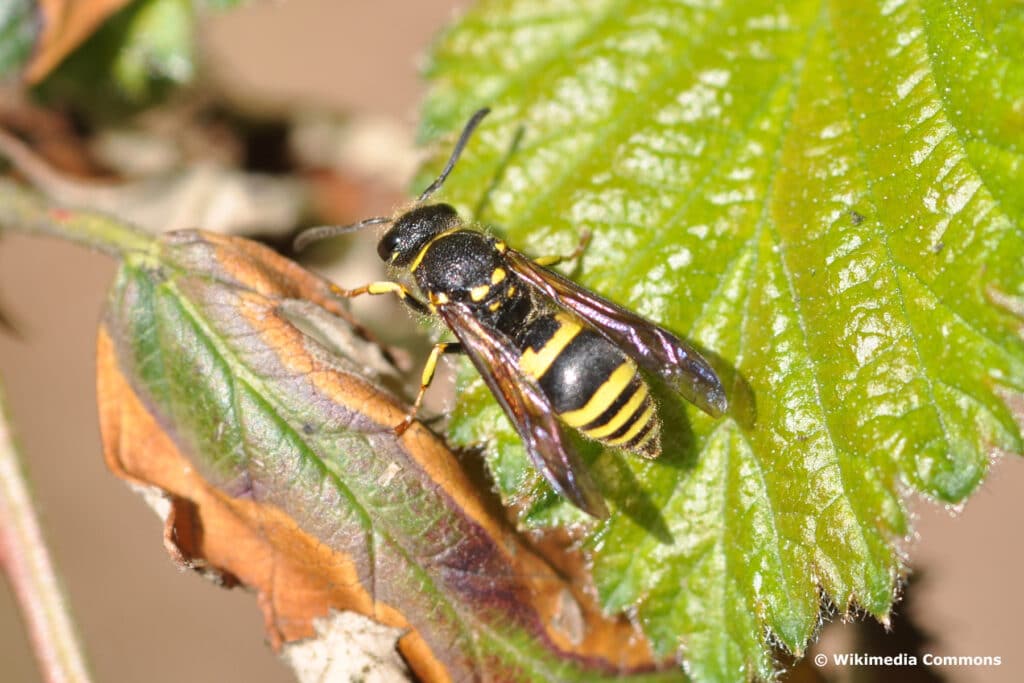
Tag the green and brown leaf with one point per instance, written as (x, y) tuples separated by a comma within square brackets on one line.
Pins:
[(824, 195), (232, 380)]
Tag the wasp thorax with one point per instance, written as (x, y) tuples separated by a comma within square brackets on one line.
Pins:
[(413, 230)]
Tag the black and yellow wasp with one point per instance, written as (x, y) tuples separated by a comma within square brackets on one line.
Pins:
[(550, 351)]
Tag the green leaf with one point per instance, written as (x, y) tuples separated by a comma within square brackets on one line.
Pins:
[(826, 196), (17, 32)]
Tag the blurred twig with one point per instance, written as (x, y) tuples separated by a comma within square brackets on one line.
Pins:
[(26, 562), (24, 211)]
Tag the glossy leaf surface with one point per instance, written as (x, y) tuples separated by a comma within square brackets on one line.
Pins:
[(826, 197)]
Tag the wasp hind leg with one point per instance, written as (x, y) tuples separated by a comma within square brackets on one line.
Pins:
[(548, 261), (429, 368), (384, 287)]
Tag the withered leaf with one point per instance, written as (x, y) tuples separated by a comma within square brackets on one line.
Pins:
[(287, 477)]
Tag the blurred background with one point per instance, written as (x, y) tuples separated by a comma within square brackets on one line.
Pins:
[(143, 620)]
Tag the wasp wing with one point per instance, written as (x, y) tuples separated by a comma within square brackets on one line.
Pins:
[(652, 347), (527, 407)]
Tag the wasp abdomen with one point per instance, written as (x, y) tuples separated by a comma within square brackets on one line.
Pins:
[(591, 384)]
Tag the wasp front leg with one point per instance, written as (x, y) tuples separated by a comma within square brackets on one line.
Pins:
[(428, 376), (548, 261), (384, 287)]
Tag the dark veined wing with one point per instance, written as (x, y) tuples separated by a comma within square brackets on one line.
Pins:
[(528, 408), (652, 347)]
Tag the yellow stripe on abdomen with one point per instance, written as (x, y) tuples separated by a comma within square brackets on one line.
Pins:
[(621, 418), (536, 363), (603, 398), (639, 422)]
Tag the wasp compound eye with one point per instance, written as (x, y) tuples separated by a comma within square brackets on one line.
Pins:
[(388, 244)]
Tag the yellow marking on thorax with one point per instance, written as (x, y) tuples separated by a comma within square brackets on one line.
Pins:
[(423, 252), (631, 433), (438, 298), (479, 293), (605, 395), (494, 306), (536, 363), (613, 425), (501, 247), (497, 276)]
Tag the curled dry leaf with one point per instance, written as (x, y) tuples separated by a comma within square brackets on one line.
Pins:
[(286, 476), (65, 25)]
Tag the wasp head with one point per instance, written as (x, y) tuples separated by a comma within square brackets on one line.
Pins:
[(413, 230)]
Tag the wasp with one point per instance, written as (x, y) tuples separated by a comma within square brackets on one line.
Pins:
[(553, 353)]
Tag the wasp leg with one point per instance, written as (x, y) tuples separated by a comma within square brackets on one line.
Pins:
[(428, 376), (548, 261), (384, 287)]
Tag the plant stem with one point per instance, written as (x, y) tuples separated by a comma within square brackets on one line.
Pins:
[(22, 210), (26, 562)]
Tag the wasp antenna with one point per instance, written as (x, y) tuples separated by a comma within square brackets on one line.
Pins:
[(471, 125), (322, 232)]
